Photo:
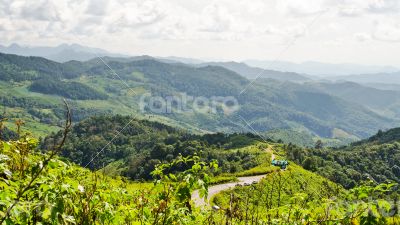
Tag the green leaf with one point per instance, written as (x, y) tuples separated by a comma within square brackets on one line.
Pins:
[(46, 213), (6, 146), (172, 177)]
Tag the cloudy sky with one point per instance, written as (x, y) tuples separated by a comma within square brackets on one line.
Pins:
[(356, 31)]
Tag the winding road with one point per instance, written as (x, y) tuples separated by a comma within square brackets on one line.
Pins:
[(221, 187)]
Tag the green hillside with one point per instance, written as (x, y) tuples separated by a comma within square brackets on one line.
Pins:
[(40, 187), (374, 159), (32, 88), (254, 72), (385, 102), (141, 145), (306, 139), (296, 196), (280, 192), (382, 137)]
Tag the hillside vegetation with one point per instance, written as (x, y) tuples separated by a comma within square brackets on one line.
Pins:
[(39, 187), (373, 159), (32, 87), (296, 196), (141, 145)]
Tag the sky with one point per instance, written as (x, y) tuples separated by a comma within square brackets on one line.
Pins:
[(335, 31)]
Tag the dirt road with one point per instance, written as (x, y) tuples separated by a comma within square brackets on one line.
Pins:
[(221, 187), (269, 149)]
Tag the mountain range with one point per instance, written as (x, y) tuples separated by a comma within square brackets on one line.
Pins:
[(321, 69), (370, 79), (255, 72), (67, 52), (60, 53), (32, 87)]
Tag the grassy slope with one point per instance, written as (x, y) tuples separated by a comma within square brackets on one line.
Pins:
[(293, 180), (296, 180), (306, 139)]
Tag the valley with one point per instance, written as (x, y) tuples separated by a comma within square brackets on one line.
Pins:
[(269, 105)]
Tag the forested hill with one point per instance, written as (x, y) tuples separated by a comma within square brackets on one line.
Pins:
[(32, 86), (382, 137), (140, 145), (47, 76), (376, 158), (20, 68)]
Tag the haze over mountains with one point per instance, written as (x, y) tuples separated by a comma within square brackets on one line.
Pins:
[(60, 53), (322, 69), (67, 52), (255, 72)]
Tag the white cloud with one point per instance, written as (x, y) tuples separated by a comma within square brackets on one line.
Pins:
[(362, 37), (350, 10), (5, 24), (296, 31), (216, 18), (271, 29), (387, 31), (97, 7), (242, 26), (337, 42), (254, 7), (43, 10), (301, 8), (384, 6), (362, 7)]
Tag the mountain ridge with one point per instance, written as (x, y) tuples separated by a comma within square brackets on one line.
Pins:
[(320, 68), (268, 104), (60, 53)]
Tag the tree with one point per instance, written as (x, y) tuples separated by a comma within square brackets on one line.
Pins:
[(319, 144)]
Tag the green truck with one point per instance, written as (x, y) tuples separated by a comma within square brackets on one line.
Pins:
[(281, 163)]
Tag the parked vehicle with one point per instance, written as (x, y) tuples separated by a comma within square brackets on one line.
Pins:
[(281, 163)]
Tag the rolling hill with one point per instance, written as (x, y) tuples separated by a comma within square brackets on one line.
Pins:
[(321, 69), (385, 102), (142, 144), (375, 158), (254, 72), (32, 87), (385, 78), (60, 53)]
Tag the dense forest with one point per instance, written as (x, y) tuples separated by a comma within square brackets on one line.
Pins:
[(376, 159), (141, 145), (71, 90)]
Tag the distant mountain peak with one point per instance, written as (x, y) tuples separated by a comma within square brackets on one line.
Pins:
[(61, 53), (14, 46), (255, 72)]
